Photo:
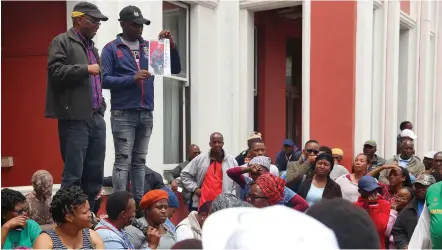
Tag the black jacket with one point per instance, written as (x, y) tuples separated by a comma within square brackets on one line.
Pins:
[(331, 190), (405, 224), (69, 92)]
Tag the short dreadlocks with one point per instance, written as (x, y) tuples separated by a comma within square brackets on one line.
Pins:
[(10, 198), (65, 201)]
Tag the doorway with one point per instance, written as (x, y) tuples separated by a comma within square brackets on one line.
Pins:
[(278, 58)]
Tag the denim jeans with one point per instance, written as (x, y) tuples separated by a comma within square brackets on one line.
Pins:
[(131, 130), (83, 148)]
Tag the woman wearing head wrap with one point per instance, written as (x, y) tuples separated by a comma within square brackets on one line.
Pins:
[(320, 185), (257, 167), (39, 200), (266, 191), (151, 231)]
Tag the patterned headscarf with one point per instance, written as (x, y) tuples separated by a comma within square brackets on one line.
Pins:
[(42, 182), (272, 186), (40, 198), (228, 200)]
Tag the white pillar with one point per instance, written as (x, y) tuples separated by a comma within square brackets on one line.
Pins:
[(438, 92), (244, 90), (306, 43), (425, 104), (379, 77), (391, 88), (364, 66)]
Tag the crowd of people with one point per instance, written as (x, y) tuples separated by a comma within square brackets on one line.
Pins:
[(306, 198)]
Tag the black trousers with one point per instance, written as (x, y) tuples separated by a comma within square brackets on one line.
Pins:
[(83, 147)]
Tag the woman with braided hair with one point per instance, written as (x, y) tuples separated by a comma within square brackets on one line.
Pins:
[(71, 211), (17, 229)]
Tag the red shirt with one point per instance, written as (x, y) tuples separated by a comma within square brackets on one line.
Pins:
[(379, 212), (213, 183)]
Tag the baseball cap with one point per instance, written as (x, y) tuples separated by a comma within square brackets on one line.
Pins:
[(288, 142), (425, 179), (368, 183), (430, 154), (338, 151), (85, 8), (250, 228), (408, 133), (133, 13), (371, 143)]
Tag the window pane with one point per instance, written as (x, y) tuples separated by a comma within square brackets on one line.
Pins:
[(175, 20), (173, 105)]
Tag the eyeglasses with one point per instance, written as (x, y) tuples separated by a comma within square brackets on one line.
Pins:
[(22, 211), (253, 197), (312, 151), (93, 20)]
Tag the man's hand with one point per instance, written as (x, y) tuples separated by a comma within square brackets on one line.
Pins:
[(198, 191), (311, 159), (93, 69), (153, 237), (166, 34), (142, 75)]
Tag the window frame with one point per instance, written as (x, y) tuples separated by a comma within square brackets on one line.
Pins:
[(185, 95)]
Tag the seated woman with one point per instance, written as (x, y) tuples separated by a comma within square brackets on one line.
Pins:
[(154, 204), (71, 211), (173, 205), (227, 200), (191, 227), (17, 229), (377, 208), (258, 166), (39, 200), (320, 185)]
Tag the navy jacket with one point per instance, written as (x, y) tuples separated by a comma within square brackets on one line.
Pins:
[(119, 68), (281, 160)]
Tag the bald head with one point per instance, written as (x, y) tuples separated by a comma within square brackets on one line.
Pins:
[(437, 162), (193, 151), (216, 142), (407, 149)]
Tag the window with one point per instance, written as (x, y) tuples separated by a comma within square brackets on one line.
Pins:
[(176, 92)]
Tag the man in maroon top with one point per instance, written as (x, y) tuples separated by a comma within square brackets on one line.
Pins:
[(74, 98)]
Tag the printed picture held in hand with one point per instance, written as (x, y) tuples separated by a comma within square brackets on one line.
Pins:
[(159, 57)]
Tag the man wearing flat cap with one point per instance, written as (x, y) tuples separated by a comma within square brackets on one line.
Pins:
[(125, 73), (74, 97)]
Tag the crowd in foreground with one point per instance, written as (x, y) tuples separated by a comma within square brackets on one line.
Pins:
[(230, 207)]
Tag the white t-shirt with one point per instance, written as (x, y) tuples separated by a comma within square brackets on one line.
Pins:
[(314, 195), (349, 189), (183, 232)]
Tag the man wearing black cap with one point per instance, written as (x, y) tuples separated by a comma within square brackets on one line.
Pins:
[(125, 73), (288, 153), (74, 97)]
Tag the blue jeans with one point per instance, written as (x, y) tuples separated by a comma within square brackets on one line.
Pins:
[(131, 130), (83, 147)]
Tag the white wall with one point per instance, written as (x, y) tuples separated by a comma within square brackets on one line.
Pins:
[(406, 83)]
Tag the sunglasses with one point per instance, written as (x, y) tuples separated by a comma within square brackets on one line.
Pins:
[(312, 151), (22, 211), (253, 197)]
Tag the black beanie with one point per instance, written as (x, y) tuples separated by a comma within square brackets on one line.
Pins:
[(328, 157)]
